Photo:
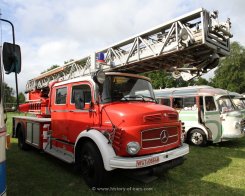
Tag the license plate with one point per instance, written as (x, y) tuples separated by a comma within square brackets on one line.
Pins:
[(147, 162)]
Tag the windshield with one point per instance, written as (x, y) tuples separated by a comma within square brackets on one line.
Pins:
[(124, 88), (239, 103), (225, 104)]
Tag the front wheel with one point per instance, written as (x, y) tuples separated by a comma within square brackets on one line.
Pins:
[(198, 137), (92, 166)]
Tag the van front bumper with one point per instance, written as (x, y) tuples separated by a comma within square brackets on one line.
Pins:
[(149, 160)]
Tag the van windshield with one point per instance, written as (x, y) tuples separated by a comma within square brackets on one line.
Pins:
[(124, 88), (240, 104), (225, 104)]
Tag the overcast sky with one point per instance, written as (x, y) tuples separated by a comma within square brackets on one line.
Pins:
[(53, 31)]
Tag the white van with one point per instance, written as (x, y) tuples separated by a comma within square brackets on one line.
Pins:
[(208, 113)]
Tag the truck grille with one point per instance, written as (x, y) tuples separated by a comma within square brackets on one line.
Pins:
[(159, 137)]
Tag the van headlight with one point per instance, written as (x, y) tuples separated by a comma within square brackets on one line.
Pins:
[(133, 148)]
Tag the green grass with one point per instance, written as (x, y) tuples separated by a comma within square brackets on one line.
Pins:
[(214, 170)]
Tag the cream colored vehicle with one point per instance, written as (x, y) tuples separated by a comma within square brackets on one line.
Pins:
[(208, 113)]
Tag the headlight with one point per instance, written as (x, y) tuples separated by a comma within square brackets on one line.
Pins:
[(133, 148)]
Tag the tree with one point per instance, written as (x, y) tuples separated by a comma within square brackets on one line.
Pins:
[(8, 94), (230, 74), (68, 61), (49, 69), (162, 79), (22, 98), (201, 81)]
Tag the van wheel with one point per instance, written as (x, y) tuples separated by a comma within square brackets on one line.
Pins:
[(92, 166), (197, 137), (21, 139)]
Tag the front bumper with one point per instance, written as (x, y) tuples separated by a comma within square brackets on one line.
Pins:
[(148, 160)]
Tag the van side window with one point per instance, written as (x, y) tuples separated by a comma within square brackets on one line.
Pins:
[(61, 94), (210, 104), (189, 101), (178, 103), (79, 91), (165, 101)]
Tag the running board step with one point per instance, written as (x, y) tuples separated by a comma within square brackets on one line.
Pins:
[(60, 154)]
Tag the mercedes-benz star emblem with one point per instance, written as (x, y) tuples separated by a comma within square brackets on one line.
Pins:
[(164, 136)]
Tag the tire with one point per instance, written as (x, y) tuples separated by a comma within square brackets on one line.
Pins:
[(197, 137), (92, 166), (21, 139)]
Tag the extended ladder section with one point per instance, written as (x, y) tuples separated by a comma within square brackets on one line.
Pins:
[(186, 46)]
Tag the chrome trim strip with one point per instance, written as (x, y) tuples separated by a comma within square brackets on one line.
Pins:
[(162, 145), (82, 111), (151, 139), (158, 138)]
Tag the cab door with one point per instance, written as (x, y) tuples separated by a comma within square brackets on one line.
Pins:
[(212, 118), (80, 119), (59, 112)]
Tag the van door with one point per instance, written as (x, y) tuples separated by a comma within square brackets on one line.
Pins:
[(212, 118)]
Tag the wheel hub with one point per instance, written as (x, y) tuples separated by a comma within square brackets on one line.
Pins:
[(87, 165), (197, 138)]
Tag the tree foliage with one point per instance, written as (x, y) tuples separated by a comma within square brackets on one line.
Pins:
[(230, 74), (8, 94), (49, 69), (162, 79), (22, 98), (201, 81)]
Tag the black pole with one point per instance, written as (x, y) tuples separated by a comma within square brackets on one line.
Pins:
[(12, 29), (16, 79)]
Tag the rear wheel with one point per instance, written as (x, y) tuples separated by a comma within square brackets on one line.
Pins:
[(198, 137), (92, 166), (21, 139)]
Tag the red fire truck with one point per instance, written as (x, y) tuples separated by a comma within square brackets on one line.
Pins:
[(98, 113)]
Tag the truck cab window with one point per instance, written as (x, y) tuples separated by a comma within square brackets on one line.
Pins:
[(82, 92), (61, 95)]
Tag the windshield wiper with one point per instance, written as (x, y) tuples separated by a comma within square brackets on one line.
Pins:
[(133, 97), (153, 99), (140, 96)]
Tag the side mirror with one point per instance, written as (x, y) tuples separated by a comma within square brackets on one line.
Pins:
[(80, 101), (11, 58)]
